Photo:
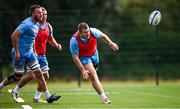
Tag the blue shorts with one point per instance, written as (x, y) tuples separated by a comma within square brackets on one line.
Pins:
[(25, 59), (43, 62), (93, 59)]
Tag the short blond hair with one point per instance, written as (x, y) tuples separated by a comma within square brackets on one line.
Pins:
[(82, 25)]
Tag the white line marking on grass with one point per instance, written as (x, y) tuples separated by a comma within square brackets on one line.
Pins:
[(152, 94), (118, 92), (92, 92), (26, 107), (79, 93)]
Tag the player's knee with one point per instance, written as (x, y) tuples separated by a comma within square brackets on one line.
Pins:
[(15, 77), (18, 76), (11, 77), (38, 73)]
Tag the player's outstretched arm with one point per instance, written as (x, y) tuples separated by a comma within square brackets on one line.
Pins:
[(113, 45)]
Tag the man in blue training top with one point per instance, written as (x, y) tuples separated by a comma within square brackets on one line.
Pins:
[(22, 54)]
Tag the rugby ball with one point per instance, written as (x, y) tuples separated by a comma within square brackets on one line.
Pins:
[(154, 18)]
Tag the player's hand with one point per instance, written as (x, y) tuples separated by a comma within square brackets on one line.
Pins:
[(59, 47), (114, 46), (17, 56), (85, 74)]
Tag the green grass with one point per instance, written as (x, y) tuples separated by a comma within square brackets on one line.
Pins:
[(122, 94)]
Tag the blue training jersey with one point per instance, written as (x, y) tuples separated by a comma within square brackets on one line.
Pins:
[(28, 30), (74, 48)]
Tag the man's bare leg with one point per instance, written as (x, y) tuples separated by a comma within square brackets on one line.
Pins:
[(41, 81), (96, 83), (38, 92), (10, 79)]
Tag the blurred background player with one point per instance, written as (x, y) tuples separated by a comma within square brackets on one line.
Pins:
[(44, 35), (83, 47), (22, 54)]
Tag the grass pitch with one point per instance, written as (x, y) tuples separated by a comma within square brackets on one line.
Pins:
[(122, 94)]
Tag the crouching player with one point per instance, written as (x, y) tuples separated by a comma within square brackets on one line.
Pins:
[(83, 47)]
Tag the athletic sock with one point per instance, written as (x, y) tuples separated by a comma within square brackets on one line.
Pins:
[(37, 95), (47, 94), (17, 89), (103, 96), (1, 85)]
